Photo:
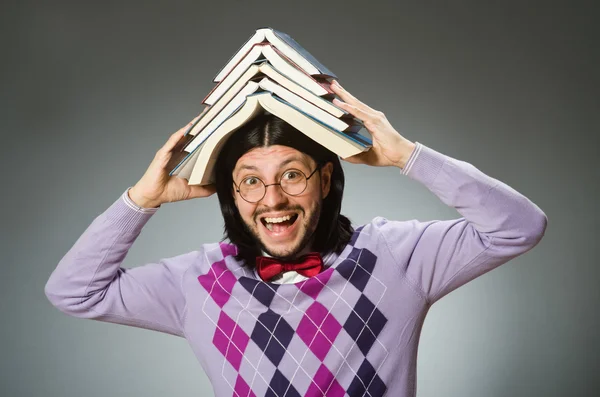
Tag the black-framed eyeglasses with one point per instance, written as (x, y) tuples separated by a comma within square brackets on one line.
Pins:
[(292, 181)]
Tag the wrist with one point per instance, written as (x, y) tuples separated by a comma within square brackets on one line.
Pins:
[(140, 201), (405, 149)]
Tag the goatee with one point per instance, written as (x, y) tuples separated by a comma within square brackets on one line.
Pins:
[(309, 227)]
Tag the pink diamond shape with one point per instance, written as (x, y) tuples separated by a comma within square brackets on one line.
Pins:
[(219, 282), (242, 389), (314, 285), (318, 329), (324, 383), (230, 339)]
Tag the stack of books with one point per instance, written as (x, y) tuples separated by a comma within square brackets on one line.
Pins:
[(270, 73)]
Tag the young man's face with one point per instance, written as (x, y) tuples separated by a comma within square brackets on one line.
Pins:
[(268, 164)]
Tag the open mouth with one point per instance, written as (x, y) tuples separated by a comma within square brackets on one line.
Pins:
[(279, 225)]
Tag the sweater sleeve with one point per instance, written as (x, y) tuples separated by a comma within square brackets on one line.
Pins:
[(89, 282), (497, 224)]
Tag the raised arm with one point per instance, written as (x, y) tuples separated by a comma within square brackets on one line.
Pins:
[(89, 281), (498, 222)]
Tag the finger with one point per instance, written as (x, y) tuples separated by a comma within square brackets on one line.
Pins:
[(189, 125), (361, 114), (178, 135), (349, 98), (173, 140)]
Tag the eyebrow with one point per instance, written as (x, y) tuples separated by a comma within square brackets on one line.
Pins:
[(283, 163)]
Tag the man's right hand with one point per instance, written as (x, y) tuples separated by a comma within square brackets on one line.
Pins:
[(157, 187)]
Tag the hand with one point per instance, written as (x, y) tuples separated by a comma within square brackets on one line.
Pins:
[(389, 147), (157, 187)]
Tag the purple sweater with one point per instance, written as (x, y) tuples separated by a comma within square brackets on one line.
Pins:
[(351, 330)]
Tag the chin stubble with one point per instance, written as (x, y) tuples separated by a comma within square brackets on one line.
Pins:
[(306, 238)]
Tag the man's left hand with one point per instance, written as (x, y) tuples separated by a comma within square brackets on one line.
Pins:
[(389, 147)]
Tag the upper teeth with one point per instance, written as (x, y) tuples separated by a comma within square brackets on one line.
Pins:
[(277, 220)]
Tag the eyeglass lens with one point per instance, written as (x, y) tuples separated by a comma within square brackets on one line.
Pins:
[(292, 182)]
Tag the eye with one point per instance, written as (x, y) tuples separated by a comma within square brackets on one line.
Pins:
[(251, 180), (291, 175)]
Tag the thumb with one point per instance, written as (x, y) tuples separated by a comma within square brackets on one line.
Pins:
[(357, 158), (198, 191)]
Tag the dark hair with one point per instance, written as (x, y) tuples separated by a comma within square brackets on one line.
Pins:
[(333, 231)]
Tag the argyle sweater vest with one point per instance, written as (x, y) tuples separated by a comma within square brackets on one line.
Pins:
[(352, 330)]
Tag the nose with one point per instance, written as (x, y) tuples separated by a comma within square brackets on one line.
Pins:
[(274, 196)]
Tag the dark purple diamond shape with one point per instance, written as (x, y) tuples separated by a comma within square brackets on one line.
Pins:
[(355, 235), (366, 380), (370, 315), (356, 275), (280, 386), (263, 292), (273, 335)]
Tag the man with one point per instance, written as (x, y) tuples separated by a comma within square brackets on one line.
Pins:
[(298, 302)]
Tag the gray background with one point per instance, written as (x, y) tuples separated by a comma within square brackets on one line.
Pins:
[(91, 90)]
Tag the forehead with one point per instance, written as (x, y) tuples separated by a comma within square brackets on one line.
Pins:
[(264, 159)]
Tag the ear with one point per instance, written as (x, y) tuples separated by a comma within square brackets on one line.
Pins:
[(326, 172), (234, 195)]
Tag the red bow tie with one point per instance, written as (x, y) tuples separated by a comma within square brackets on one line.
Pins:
[(308, 265)]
